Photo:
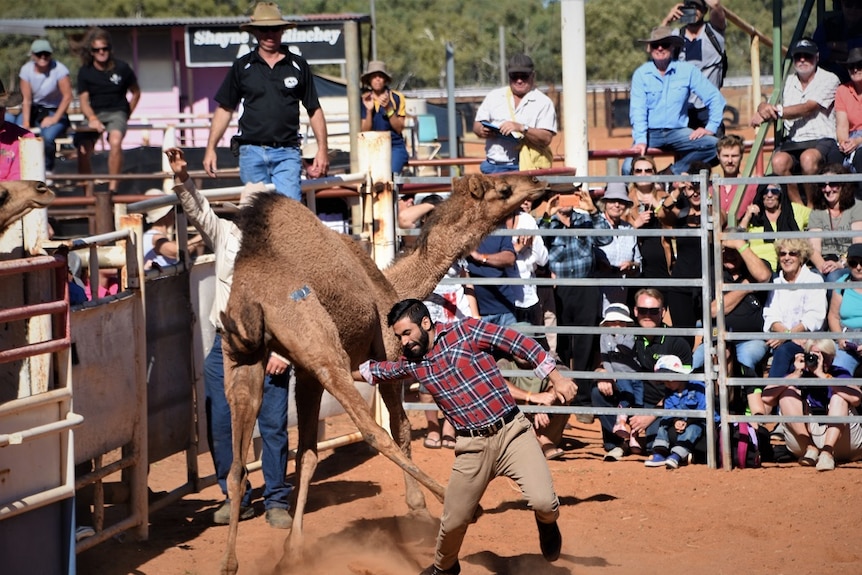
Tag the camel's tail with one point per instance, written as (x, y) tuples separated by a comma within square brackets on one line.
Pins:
[(243, 330)]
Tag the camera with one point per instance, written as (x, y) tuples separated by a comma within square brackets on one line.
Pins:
[(811, 361), (689, 15)]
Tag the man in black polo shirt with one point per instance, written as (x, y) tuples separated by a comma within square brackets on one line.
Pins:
[(649, 309), (271, 82)]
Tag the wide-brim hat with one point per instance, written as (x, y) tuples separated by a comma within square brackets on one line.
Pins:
[(266, 15), (156, 214), (617, 191), (375, 67), (620, 312), (9, 99), (660, 33), (804, 46), (854, 57)]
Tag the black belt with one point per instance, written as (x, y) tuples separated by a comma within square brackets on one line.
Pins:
[(267, 144), (489, 430)]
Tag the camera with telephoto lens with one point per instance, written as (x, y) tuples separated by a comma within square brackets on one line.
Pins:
[(811, 361), (689, 15)]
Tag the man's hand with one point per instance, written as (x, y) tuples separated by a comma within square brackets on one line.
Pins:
[(679, 425), (640, 149), (210, 163), (320, 165), (674, 14), (177, 160), (605, 387), (699, 133), (564, 388), (639, 423), (276, 365)]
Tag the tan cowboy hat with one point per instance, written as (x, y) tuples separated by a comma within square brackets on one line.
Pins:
[(266, 15), (660, 33), (375, 67), (9, 99)]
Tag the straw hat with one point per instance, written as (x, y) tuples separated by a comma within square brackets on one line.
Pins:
[(266, 15), (9, 99), (375, 67), (156, 214)]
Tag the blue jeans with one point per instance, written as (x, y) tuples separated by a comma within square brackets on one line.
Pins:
[(501, 319), (630, 392), (676, 140), (748, 353), (488, 167), (279, 166), (783, 357), (49, 136), (685, 441), (271, 421)]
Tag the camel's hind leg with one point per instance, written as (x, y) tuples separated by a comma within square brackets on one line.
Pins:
[(244, 392), (400, 426), (308, 393)]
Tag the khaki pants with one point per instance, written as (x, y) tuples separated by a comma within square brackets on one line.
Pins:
[(512, 452)]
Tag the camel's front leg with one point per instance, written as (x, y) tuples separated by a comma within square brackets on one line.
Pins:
[(400, 426), (244, 392)]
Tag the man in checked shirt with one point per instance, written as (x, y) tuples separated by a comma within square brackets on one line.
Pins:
[(456, 365)]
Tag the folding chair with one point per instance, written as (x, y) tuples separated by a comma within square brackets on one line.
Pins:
[(427, 144)]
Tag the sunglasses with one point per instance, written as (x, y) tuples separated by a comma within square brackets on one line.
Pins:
[(854, 262), (644, 171), (791, 253), (772, 192), (808, 57), (96, 50), (833, 185), (519, 77), (663, 45), (42, 54), (648, 310)]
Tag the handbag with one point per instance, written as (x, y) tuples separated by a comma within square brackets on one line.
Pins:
[(530, 157)]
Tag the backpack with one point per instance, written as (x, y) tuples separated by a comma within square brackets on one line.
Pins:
[(744, 446), (711, 35)]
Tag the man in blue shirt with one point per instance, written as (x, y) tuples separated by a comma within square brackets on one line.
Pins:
[(660, 101)]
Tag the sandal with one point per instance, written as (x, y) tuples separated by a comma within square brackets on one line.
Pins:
[(448, 442), (552, 452), (431, 443)]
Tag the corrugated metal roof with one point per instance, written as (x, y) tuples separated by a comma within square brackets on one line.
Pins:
[(38, 26)]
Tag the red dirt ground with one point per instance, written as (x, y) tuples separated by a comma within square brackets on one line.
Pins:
[(616, 518)]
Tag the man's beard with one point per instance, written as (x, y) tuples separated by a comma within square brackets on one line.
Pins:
[(417, 352)]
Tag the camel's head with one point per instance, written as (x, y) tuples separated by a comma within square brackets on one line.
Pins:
[(499, 195), (19, 197)]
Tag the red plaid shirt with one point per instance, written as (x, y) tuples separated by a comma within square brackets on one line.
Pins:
[(460, 371)]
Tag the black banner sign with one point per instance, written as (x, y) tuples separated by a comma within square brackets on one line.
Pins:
[(213, 46)]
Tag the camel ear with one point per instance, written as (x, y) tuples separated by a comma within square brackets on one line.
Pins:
[(476, 185)]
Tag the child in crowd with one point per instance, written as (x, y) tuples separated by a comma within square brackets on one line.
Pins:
[(618, 355), (678, 395)]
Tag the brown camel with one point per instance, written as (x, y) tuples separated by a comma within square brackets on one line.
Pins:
[(317, 298), (19, 197)]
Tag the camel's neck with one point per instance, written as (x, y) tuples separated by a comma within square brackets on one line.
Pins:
[(418, 273)]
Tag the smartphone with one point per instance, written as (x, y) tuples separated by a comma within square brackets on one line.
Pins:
[(689, 16), (570, 201)]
